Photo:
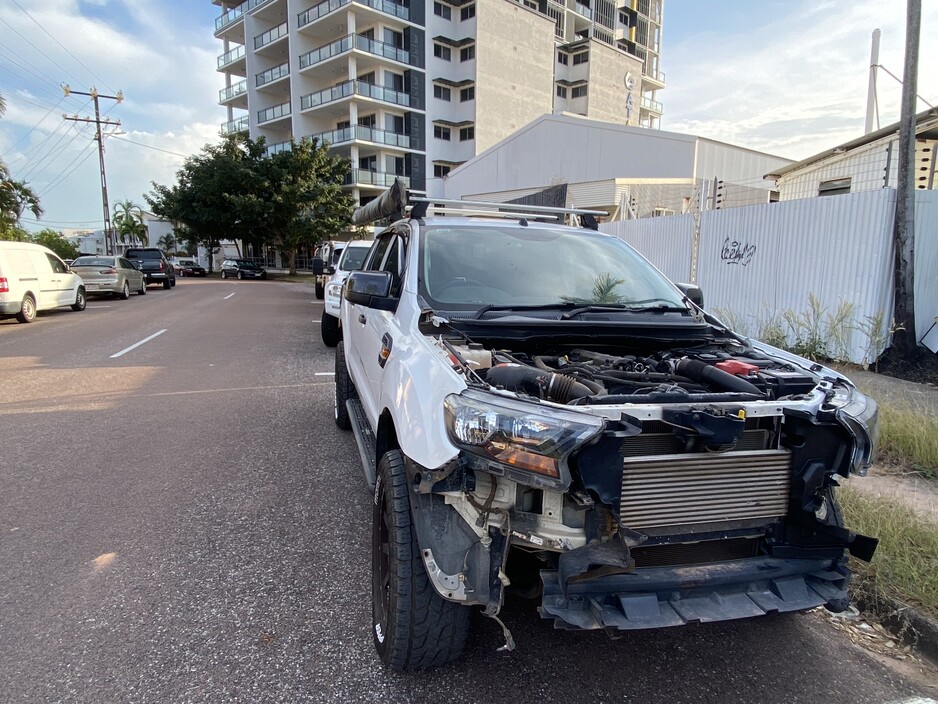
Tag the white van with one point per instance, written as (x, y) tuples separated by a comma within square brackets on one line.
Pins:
[(33, 278)]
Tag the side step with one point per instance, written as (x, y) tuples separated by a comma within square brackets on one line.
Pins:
[(365, 438)]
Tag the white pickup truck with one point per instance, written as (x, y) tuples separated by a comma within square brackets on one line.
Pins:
[(353, 254), (538, 409)]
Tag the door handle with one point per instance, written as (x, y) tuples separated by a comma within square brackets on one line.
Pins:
[(362, 319)]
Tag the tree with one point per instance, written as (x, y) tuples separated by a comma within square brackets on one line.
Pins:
[(129, 223), (167, 243), (56, 242)]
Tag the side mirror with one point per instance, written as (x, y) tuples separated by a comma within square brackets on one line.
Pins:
[(694, 293), (330, 270), (371, 289), (318, 266)]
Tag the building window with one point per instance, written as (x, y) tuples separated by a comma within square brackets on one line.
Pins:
[(441, 92), (581, 58), (467, 133), (578, 92), (467, 94), (468, 12), (343, 125), (442, 52), (441, 170), (563, 58), (440, 132), (835, 187), (561, 91), (441, 10), (467, 52)]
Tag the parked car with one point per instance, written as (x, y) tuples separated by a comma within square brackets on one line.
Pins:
[(33, 278), (154, 265), (539, 410), (188, 267), (352, 257), (325, 258), (115, 276), (242, 269)]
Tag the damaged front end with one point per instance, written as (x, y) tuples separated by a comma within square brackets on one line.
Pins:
[(641, 492)]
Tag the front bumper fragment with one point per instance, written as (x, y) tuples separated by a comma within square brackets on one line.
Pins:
[(655, 597)]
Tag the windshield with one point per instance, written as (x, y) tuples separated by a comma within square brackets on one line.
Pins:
[(463, 267), (93, 261), (353, 258)]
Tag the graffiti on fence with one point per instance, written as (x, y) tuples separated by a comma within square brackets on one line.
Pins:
[(734, 252)]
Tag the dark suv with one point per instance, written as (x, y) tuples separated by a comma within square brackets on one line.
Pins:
[(154, 265), (242, 269)]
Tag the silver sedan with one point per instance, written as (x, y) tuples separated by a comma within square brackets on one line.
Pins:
[(112, 275)]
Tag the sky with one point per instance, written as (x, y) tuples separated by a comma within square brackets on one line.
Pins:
[(788, 77)]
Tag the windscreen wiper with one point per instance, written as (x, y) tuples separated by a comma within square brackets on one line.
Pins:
[(649, 305)]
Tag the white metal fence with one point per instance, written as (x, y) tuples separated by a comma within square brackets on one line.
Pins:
[(759, 265)]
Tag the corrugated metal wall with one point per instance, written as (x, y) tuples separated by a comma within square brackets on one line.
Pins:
[(761, 261)]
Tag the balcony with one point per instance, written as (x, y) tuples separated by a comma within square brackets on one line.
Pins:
[(274, 113), (328, 6), (240, 125), (231, 57), (272, 74), (278, 148), (652, 106), (380, 179), (271, 35), (656, 77), (357, 42), (583, 10), (251, 4), (233, 91), (228, 18), (350, 88), (361, 133)]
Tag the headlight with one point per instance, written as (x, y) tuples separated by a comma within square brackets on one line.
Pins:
[(334, 290), (859, 414), (530, 442)]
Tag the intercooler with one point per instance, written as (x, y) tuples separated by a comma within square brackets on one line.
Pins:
[(700, 490)]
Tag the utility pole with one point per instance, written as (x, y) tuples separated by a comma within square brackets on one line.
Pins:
[(871, 107), (904, 339), (110, 244)]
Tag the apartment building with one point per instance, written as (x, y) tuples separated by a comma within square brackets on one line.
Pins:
[(414, 88)]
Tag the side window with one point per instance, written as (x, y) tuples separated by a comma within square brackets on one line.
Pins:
[(376, 257), (57, 266), (392, 264)]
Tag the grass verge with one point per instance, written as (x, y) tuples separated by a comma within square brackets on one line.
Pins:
[(905, 567), (910, 438)]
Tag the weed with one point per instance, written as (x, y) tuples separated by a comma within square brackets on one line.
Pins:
[(910, 438)]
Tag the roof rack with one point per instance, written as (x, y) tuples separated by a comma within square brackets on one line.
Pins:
[(395, 201)]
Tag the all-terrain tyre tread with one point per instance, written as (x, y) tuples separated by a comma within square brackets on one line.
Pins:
[(427, 630)]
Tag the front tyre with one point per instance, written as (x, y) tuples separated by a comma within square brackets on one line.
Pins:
[(413, 627), (329, 328), (320, 291), (344, 389), (80, 300)]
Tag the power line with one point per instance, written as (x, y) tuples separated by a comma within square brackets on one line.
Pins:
[(141, 144), (60, 44), (34, 127), (58, 180), (29, 43)]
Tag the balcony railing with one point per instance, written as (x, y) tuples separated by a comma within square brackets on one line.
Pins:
[(232, 91), (231, 56), (324, 8), (273, 113), (270, 35), (233, 14), (373, 178), (240, 125), (353, 41), (272, 74), (583, 10), (656, 76), (278, 148), (364, 134), (349, 88), (251, 4), (652, 105)]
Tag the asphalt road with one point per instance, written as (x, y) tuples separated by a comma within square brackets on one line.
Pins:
[(185, 523)]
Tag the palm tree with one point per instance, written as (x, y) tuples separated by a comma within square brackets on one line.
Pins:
[(16, 197), (167, 243), (128, 220)]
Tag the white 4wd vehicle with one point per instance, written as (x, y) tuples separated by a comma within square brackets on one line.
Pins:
[(538, 409), (352, 257)]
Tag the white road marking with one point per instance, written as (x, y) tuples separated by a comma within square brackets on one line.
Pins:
[(324, 374), (96, 307), (137, 344), (317, 322), (227, 297)]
